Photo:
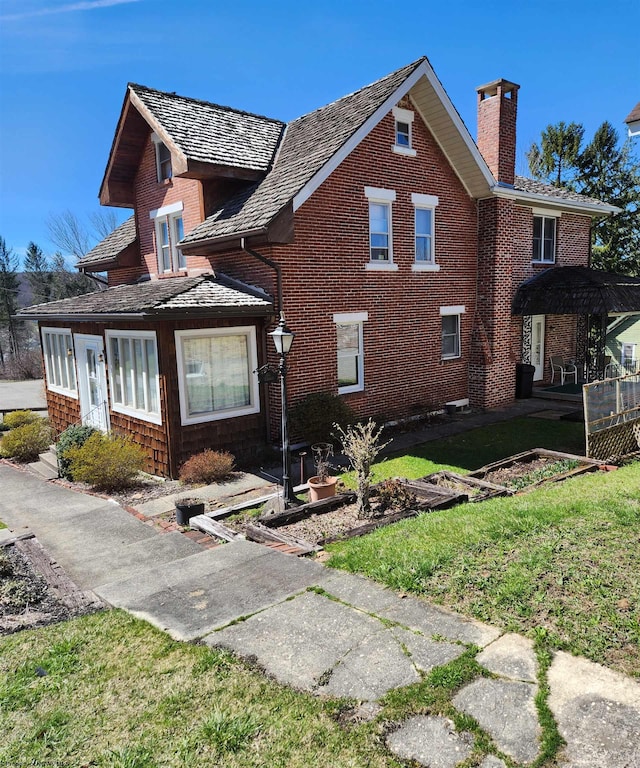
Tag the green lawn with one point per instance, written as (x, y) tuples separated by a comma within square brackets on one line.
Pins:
[(561, 561), (109, 690), (477, 447)]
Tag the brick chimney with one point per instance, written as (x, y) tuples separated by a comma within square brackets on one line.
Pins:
[(497, 109)]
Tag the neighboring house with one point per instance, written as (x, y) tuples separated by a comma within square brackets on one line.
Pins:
[(633, 121), (623, 343), (392, 242)]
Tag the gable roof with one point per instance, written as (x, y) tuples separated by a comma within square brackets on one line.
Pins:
[(210, 133), (634, 115), (560, 195), (109, 249), (315, 144), (208, 295)]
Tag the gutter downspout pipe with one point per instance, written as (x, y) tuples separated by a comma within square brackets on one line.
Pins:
[(269, 263)]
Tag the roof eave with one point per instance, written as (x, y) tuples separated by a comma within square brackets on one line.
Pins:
[(587, 209), (221, 242), (147, 316)]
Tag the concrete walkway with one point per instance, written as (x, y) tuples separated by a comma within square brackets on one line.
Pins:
[(16, 395), (329, 632)]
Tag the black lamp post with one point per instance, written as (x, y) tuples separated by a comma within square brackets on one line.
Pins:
[(283, 339)]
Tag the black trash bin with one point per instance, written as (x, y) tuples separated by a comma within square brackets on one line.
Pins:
[(524, 380)]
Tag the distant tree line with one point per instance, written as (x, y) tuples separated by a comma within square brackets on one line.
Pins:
[(47, 278), (605, 169)]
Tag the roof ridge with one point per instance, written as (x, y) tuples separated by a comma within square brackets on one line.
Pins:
[(408, 67), (203, 102)]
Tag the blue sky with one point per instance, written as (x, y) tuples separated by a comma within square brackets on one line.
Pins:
[(64, 67)]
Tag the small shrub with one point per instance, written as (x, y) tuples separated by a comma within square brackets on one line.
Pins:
[(207, 467), (106, 462), (73, 436), (20, 418), (24, 443), (392, 494), (314, 418)]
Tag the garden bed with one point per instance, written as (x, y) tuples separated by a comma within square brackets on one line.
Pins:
[(474, 488), (530, 469)]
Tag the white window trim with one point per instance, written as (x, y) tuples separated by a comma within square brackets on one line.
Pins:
[(136, 413), (71, 360), (353, 318), (425, 202), (386, 197), (403, 116), (455, 311), (168, 214), (254, 405), (544, 216)]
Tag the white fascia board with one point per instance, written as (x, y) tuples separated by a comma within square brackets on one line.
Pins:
[(156, 128), (573, 206), (634, 128), (422, 70)]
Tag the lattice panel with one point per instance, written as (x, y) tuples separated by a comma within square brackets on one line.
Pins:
[(613, 443)]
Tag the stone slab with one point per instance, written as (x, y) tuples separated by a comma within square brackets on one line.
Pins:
[(426, 654), (511, 656), (491, 761), (194, 596), (408, 611), (430, 741), (506, 710), (372, 668), (299, 641), (597, 711)]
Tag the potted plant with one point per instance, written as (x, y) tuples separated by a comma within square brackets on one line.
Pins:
[(322, 484), (187, 508)]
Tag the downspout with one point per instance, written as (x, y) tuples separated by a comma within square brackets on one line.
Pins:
[(269, 263)]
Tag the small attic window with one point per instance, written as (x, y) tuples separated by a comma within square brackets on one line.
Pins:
[(163, 159), (403, 130)]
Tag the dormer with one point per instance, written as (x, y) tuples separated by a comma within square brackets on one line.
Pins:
[(193, 139)]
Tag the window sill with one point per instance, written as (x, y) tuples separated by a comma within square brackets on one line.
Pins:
[(152, 418), (73, 393), (177, 273), (383, 266), (420, 266), (230, 414), (542, 263), (352, 388), (165, 182), (407, 151), (450, 357)]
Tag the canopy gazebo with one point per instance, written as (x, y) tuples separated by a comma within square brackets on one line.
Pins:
[(590, 294)]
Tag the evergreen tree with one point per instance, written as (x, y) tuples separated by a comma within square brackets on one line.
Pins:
[(9, 287), (609, 172), (66, 283), (554, 159), (38, 274)]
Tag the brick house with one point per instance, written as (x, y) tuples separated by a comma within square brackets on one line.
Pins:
[(392, 242)]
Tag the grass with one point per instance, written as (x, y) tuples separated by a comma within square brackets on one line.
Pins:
[(561, 559), (477, 447), (110, 690)]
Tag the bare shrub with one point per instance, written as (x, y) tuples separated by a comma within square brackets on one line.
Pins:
[(207, 467), (361, 444)]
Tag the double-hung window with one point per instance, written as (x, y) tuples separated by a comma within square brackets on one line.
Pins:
[(59, 361), (544, 239), (380, 227), (350, 351), (163, 159), (169, 232), (425, 213), (403, 121), (134, 380), (450, 317), (215, 373)]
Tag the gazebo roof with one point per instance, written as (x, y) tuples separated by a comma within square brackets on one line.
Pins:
[(577, 291)]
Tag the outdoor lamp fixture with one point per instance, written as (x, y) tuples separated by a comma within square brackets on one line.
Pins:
[(283, 339)]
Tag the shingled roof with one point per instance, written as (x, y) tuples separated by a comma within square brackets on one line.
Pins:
[(308, 144), (208, 295), (559, 193), (577, 291), (212, 133), (107, 250)]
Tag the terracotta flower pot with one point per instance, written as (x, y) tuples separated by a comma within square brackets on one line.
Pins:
[(322, 489)]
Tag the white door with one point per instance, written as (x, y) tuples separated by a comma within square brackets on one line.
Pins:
[(92, 381), (536, 354)]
